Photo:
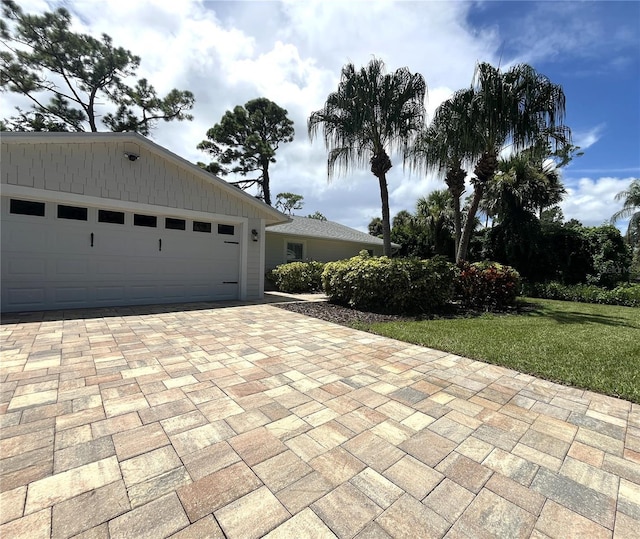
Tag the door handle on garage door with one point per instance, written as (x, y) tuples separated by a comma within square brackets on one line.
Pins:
[(92, 239), (160, 244)]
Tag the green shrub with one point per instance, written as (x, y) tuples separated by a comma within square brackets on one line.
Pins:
[(391, 285), (627, 295), (487, 285), (611, 256), (568, 253), (298, 277)]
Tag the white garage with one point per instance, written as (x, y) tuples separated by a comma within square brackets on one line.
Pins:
[(108, 219)]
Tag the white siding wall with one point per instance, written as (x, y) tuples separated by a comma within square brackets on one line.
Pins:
[(274, 250), (315, 249), (255, 259), (100, 169)]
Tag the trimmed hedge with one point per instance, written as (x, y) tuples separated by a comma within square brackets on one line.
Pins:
[(390, 285), (487, 285), (625, 295), (298, 277)]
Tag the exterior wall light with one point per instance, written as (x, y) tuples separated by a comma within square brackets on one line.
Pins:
[(254, 235)]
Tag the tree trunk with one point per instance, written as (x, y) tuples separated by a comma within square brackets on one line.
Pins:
[(266, 188), (455, 183), (457, 220), (380, 165), (89, 109), (484, 171), (386, 220), (469, 222)]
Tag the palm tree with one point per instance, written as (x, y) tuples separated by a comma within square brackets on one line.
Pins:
[(517, 108), (436, 213), (402, 219), (375, 227), (406, 232), (439, 149), (522, 183), (630, 208), (545, 166), (553, 192), (371, 115)]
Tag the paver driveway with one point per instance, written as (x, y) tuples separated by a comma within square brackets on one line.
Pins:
[(250, 420)]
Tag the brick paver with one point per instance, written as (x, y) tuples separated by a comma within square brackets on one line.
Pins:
[(245, 420)]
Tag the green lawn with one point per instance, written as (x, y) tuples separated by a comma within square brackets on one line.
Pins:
[(589, 346)]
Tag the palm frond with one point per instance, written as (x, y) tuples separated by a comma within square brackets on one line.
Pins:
[(631, 201), (371, 112)]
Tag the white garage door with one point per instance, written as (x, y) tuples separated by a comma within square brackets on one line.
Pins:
[(74, 256)]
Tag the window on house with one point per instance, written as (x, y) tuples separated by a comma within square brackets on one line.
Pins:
[(229, 230), (175, 224), (295, 252), (145, 220), (72, 212), (107, 216), (201, 226), (26, 207)]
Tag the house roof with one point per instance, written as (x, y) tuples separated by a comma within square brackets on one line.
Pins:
[(326, 230), (271, 214)]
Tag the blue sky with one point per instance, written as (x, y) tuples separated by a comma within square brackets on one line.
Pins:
[(292, 52), (594, 52)]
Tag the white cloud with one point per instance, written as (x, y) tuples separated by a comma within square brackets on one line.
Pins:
[(591, 200), (585, 139), (412, 187)]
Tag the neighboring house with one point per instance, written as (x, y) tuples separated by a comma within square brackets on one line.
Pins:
[(108, 219), (312, 239)]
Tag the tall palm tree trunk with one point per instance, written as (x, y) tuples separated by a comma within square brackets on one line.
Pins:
[(457, 223), (469, 222), (484, 171), (455, 183), (380, 165), (386, 218)]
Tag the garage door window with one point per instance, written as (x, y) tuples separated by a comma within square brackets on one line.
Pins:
[(200, 226), (115, 217), (175, 224), (145, 220), (226, 229), (26, 207), (72, 212)]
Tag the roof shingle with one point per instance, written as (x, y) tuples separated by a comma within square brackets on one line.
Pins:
[(328, 230)]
